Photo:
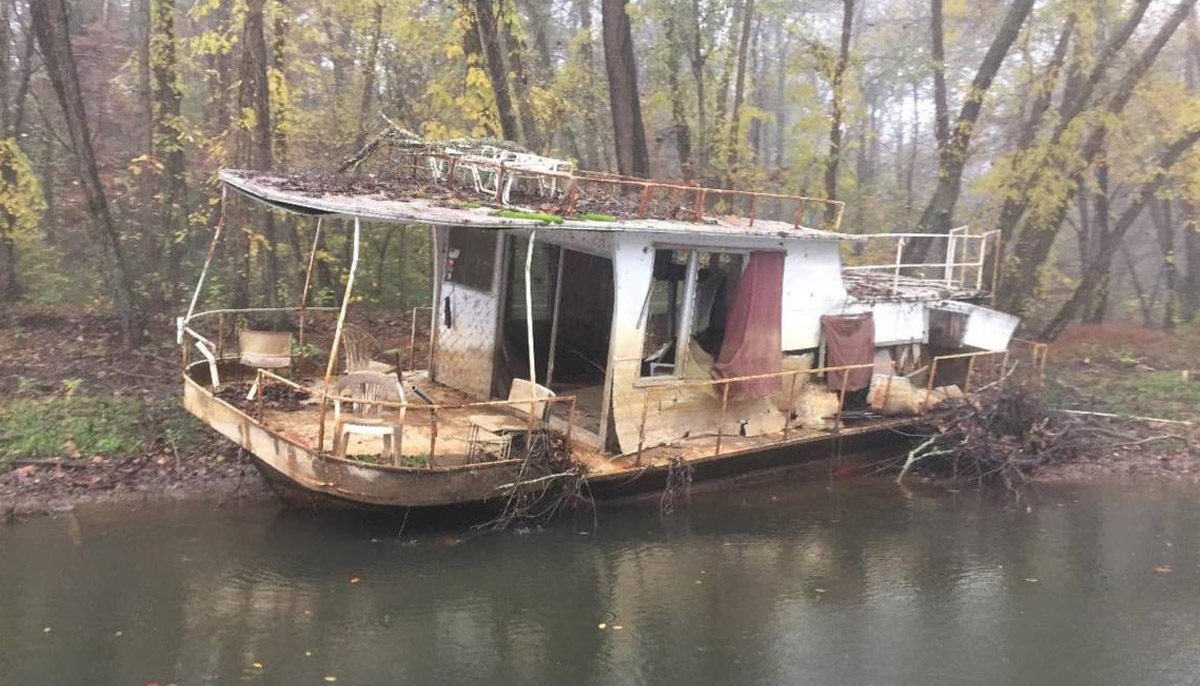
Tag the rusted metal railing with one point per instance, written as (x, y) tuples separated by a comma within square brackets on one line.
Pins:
[(569, 187), (650, 391), (534, 422)]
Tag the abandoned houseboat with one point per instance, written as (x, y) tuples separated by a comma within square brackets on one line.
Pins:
[(585, 324)]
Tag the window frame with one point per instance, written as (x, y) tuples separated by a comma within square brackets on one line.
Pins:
[(683, 329)]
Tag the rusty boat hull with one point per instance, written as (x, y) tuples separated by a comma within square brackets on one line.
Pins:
[(306, 479)]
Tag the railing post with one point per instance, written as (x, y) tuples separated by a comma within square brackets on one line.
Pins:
[(787, 422), (970, 372), (412, 342), (221, 336), (724, 406), (887, 389), (261, 382), (837, 422), (433, 433), (899, 252), (532, 419), (929, 386), (570, 422), (642, 426), (948, 277)]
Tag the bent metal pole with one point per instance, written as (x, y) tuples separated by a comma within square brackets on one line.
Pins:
[(529, 307), (337, 335), (208, 258), (312, 258)]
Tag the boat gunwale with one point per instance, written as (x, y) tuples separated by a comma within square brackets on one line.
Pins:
[(316, 455)]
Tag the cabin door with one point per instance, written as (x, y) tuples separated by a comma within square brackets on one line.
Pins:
[(572, 298)]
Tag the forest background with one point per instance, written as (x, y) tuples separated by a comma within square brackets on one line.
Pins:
[(1068, 126)]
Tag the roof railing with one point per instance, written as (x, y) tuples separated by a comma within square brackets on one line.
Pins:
[(513, 179)]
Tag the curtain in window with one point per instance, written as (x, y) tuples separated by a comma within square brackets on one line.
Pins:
[(753, 341)]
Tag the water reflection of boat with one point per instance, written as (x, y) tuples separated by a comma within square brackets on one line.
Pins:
[(642, 329)]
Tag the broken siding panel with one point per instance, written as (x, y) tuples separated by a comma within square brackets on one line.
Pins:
[(985, 328), (896, 323), (812, 286), (466, 345)]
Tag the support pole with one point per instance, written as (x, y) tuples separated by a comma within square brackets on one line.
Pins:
[(312, 258), (529, 307), (337, 334), (208, 258), (562, 254)]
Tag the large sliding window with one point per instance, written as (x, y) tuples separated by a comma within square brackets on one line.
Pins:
[(686, 309)]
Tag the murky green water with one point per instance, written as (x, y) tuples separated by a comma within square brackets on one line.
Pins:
[(793, 583)]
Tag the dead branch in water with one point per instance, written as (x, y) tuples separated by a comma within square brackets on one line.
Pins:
[(999, 435)]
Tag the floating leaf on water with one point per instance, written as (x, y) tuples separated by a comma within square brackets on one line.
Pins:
[(617, 627), (331, 678), (46, 630), (308, 653), (355, 580), (1164, 569), (1032, 581), (257, 665), (602, 626)]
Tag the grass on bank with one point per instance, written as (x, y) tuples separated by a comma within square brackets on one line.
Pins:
[(1128, 370), (69, 423)]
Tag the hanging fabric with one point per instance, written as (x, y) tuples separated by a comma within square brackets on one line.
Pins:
[(849, 340), (753, 337)]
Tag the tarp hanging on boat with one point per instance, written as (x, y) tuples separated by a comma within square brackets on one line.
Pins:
[(753, 329), (849, 340)]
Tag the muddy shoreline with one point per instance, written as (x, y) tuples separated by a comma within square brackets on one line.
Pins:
[(45, 489)]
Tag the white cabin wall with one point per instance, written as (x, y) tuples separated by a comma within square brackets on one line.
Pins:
[(812, 286)]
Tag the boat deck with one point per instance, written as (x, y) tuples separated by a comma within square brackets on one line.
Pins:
[(460, 438)]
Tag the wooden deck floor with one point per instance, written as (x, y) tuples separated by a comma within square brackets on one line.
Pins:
[(454, 434)]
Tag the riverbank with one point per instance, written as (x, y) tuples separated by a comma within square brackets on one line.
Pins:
[(84, 421)]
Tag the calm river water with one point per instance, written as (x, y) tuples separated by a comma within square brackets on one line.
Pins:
[(790, 583)]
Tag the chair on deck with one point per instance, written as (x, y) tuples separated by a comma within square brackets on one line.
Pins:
[(359, 350), (264, 350), (366, 418), (497, 430)]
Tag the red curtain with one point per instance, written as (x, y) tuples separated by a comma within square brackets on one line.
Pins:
[(753, 341), (849, 340)]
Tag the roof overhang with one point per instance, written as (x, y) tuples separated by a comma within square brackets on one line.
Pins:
[(264, 187)]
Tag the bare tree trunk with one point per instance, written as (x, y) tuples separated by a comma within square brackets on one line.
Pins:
[(530, 135), (370, 64), (256, 149), (1032, 247), (699, 61), (591, 146), (952, 157), (679, 121), (739, 87), (941, 110), (1163, 215), (168, 136), (835, 123), (484, 20), (1093, 273), (632, 156), (49, 19), (1099, 304)]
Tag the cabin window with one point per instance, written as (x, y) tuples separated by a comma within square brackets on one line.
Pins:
[(471, 257), (686, 309)]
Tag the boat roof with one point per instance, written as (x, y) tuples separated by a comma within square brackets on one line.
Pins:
[(350, 196)]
